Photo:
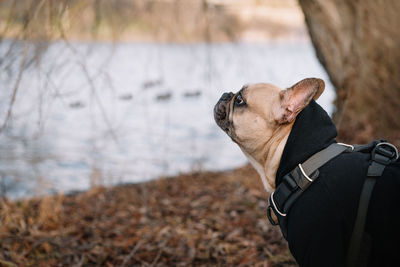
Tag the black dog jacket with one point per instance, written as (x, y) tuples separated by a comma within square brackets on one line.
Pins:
[(319, 224)]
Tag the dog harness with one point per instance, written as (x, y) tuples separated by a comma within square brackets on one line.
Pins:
[(300, 178)]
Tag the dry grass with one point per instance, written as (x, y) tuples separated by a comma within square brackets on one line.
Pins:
[(197, 219), (151, 20)]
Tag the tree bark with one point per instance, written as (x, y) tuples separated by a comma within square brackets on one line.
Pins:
[(358, 43)]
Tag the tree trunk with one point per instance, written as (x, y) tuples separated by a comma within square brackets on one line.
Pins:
[(358, 43)]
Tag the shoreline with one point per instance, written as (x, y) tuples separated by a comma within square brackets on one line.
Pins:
[(255, 41)]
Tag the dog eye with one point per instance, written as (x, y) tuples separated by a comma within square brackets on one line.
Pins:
[(239, 100)]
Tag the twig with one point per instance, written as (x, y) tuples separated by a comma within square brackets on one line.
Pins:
[(16, 86), (132, 253), (93, 89), (3, 188), (8, 21), (160, 250), (81, 63), (80, 263), (157, 257), (7, 263)]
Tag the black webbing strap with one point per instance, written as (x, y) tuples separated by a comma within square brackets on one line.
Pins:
[(319, 159), (300, 178), (382, 155), (297, 181)]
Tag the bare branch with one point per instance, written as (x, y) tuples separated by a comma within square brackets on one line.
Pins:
[(16, 86), (132, 253)]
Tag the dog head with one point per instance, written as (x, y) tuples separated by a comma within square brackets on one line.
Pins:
[(260, 114)]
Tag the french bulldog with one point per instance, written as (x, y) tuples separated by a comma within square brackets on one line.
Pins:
[(279, 129), (259, 119)]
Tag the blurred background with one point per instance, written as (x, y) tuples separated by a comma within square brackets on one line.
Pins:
[(107, 92), (102, 100)]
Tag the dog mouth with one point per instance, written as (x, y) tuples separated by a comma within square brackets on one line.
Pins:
[(221, 111)]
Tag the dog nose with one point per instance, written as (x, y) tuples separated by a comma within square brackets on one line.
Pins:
[(226, 96), (219, 111), (220, 107)]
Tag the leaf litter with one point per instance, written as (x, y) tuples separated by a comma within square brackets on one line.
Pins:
[(198, 219)]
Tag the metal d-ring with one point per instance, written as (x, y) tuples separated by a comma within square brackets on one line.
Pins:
[(276, 208), (392, 146)]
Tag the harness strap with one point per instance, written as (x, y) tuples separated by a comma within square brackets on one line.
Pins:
[(300, 178), (297, 181), (382, 155), (319, 159)]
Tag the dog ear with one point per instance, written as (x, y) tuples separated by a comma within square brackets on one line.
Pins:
[(296, 98)]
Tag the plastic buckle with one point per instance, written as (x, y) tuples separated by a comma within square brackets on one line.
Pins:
[(384, 153), (290, 182)]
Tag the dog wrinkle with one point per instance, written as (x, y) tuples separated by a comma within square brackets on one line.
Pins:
[(272, 153), (260, 170)]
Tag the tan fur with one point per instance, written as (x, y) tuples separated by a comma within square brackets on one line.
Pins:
[(262, 127)]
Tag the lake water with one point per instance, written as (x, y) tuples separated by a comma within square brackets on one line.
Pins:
[(102, 114)]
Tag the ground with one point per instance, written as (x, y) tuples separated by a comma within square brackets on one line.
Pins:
[(201, 219)]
